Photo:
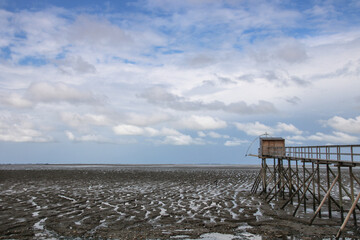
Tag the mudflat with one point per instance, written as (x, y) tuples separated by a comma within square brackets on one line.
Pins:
[(146, 202)]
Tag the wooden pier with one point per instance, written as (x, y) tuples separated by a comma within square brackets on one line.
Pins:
[(315, 179)]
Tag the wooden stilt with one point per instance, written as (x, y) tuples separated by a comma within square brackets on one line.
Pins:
[(325, 190), (348, 216), (281, 188), (340, 195), (272, 190), (264, 176), (352, 193), (328, 186), (256, 182), (304, 194), (295, 184), (282, 179), (324, 199), (318, 186), (275, 173), (344, 189), (304, 174), (297, 192), (313, 185), (279, 171), (290, 181), (297, 180)]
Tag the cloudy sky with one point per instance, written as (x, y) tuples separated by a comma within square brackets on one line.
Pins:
[(162, 81)]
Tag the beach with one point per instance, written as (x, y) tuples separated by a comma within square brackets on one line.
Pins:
[(146, 202)]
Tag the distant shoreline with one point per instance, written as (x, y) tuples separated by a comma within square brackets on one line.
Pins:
[(76, 165)]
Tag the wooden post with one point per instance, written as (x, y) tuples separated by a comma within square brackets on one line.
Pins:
[(318, 185), (348, 216), (297, 192), (328, 186), (275, 173), (280, 173), (303, 197), (290, 181), (304, 191), (324, 199), (352, 192), (297, 179), (283, 178), (276, 192), (343, 188), (314, 191), (340, 194), (264, 175), (256, 182)]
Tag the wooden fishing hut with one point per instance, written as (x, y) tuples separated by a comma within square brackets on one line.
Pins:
[(271, 146)]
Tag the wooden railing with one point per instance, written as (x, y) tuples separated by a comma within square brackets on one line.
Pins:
[(342, 153)]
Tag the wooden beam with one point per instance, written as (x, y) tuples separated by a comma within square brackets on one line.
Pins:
[(324, 199), (348, 216), (296, 192), (303, 197)]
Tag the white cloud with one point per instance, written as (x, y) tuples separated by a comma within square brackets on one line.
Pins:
[(335, 137), (131, 130), (282, 78), (146, 120), (235, 142), (58, 55), (124, 129), (169, 131), (96, 119), (59, 92), (292, 52), (201, 134), (20, 129), (43, 33), (290, 128), (15, 100), (212, 134), (87, 138), (254, 129), (257, 128), (293, 100), (82, 122), (75, 65), (170, 136), (296, 138), (70, 135), (196, 122), (98, 34), (350, 125), (92, 31), (181, 140), (160, 96)]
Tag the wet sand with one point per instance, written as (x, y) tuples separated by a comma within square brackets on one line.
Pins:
[(145, 202)]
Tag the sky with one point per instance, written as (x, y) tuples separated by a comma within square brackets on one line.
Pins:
[(179, 82)]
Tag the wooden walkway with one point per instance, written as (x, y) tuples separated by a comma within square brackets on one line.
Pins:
[(318, 177)]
